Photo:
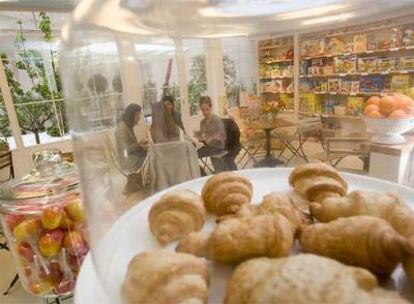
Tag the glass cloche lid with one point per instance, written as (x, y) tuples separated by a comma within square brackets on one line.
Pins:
[(225, 18), (50, 176)]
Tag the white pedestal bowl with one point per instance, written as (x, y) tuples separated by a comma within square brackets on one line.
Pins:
[(388, 131)]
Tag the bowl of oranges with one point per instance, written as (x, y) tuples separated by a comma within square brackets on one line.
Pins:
[(389, 117)]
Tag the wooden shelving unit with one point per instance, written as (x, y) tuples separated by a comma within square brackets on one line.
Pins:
[(350, 65)]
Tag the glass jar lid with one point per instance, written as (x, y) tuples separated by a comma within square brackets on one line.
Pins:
[(50, 177)]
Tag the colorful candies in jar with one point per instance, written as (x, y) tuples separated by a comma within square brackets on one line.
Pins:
[(49, 245), (43, 219)]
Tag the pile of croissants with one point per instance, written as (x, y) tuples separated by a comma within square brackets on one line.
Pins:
[(348, 241)]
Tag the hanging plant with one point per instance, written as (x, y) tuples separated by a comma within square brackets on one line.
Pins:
[(45, 26)]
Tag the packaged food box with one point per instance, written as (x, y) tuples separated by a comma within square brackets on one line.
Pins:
[(313, 47), (328, 70), (367, 65), (400, 83), (346, 86), (385, 64), (360, 43), (310, 103), (371, 84), (405, 63), (324, 86), (355, 106), (336, 45), (303, 67), (334, 85), (345, 64), (354, 86)]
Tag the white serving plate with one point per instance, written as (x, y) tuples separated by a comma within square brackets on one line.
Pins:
[(130, 235)]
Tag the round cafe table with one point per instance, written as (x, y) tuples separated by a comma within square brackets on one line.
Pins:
[(268, 126)]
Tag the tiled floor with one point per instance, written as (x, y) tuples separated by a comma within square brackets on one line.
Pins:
[(19, 296)]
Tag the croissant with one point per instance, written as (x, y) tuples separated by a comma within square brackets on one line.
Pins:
[(225, 192), (363, 241), (316, 181), (304, 279), (160, 277), (387, 206), (175, 215), (238, 239), (275, 203)]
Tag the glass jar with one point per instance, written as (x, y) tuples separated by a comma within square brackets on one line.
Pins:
[(43, 220), (117, 55)]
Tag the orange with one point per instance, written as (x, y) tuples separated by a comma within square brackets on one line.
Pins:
[(398, 114), (370, 108), (375, 114), (388, 104), (373, 100), (404, 102)]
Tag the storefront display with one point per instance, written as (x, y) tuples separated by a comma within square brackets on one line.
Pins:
[(43, 219), (276, 70)]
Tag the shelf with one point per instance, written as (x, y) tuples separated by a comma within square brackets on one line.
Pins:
[(278, 92), (274, 78), (359, 74), (277, 61), (343, 93), (272, 47), (396, 49)]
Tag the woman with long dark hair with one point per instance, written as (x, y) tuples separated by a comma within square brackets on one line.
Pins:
[(130, 153), (166, 121)]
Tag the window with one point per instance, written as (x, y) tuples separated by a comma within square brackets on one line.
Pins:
[(239, 62), (6, 138), (196, 72), (159, 76), (31, 66)]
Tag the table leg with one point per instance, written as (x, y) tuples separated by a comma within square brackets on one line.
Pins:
[(269, 160)]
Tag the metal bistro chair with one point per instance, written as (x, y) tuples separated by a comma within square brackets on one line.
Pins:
[(294, 138), (338, 148)]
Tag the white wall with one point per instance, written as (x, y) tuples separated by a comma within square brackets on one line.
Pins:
[(22, 159)]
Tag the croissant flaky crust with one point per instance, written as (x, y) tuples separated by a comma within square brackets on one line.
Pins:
[(274, 203), (388, 206), (316, 181), (363, 241), (238, 239), (225, 192), (175, 215), (304, 279), (160, 277)]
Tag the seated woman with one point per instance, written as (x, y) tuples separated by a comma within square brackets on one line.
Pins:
[(130, 153), (166, 122), (212, 133)]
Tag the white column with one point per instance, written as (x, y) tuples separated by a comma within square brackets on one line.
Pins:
[(296, 71), (182, 82), (129, 68), (11, 112), (215, 73)]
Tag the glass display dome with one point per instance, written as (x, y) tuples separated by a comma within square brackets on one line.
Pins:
[(143, 77)]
